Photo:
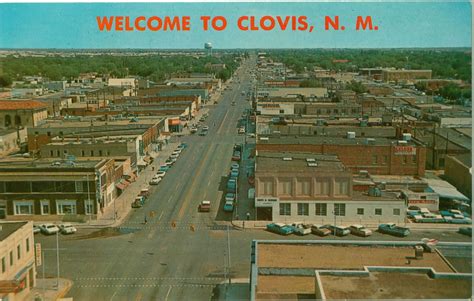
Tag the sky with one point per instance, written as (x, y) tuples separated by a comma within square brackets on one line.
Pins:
[(401, 24)]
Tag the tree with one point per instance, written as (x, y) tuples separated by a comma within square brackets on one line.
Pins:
[(5, 81), (357, 87)]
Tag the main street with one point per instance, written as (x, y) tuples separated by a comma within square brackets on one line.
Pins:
[(156, 261)]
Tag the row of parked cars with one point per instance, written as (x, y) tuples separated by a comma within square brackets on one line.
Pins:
[(231, 187), (50, 229), (325, 230), (451, 216)]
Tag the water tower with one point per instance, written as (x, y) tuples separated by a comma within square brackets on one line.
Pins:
[(208, 47)]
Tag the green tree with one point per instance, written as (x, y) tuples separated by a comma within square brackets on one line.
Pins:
[(5, 81)]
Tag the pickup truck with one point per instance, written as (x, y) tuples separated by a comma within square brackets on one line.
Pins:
[(360, 230), (393, 229), (280, 228), (205, 206)]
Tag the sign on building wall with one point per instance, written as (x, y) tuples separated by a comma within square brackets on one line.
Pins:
[(265, 202), (38, 254), (405, 150)]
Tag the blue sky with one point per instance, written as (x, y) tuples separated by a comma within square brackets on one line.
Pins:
[(401, 24)]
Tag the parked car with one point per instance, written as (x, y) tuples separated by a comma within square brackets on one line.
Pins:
[(155, 180), (203, 133), (301, 229), (360, 230), (67, 229), (242, 130), (169, 162), (176, 152), (234, 166), (238, 147), (230, 197), (466, 231), (182, 145), (164, 168), (229, 206), (393, 229), (251, 135), (193, 130), (205, 128), (280, 228), (204, 206), (320, 230), (202, 119), (137, 203), (161, 173), (234, 173), (49, 229), (338, 230), (236, 156), (231, 185), (36, 229)]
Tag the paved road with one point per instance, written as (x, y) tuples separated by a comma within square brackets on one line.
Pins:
[(156, 261)]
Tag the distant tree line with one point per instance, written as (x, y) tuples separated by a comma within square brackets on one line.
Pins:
[(154, 67), (452, 63)]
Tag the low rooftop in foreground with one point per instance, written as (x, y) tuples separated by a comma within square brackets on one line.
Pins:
[(353, 270)]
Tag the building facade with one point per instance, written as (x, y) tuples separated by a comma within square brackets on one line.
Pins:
[(17, 260)]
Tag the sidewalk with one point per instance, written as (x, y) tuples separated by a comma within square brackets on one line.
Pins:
[(124, 201), (237, 290), (47, 290)]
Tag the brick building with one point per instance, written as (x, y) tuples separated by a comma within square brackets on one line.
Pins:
[(400, 75), (375, 155), (22, 113)]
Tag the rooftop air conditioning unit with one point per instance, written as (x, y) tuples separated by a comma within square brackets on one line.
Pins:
[(402, 142)]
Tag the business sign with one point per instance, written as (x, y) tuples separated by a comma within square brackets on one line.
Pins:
[(265, 202), (422, 202), (404, 150), (38, 254)]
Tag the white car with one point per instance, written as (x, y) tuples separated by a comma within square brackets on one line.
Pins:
[(177, 151), (301, 229), (175, 154), (242, 130), (49, 229), (155, 180), (205, 128), (160, 174), (36, 229), (360, 230), (251, 135), (67, 229)]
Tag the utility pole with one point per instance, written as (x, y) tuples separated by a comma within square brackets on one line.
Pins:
[(228, 253), (57, 259), (89, 199)]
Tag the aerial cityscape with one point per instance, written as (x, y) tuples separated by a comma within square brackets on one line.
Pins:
[(272, 162)]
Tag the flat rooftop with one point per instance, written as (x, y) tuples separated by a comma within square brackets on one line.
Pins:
[(317, 140), (84, 123), (323, 256), (279, 162), (387, 285), (10, 228), (22, 164), (366, 270)]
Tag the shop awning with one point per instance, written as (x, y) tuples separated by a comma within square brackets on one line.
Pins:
[(9, 286)]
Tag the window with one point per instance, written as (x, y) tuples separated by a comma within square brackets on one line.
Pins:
[(108, 153), (79, 186), (65, 151), (17, 187), (51, 153), (267, 186), (27, 245), (385, 160), (92, 153), (396, 211), (285, 186), (43, 186), (4, 265), (303, 187), (321, 209), (285, 209), (49, 134), (378, 211), (65, 186), (374, 159), (11, 258), (100, 152), (45, 207), (88, 204), (322, 186), (405, 160), (340, 209), (65, 207), (83, 153), (23, 207), (282, 111), (341, 187), (303, 209), (360, 211), (18, 252), (413, 159)]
